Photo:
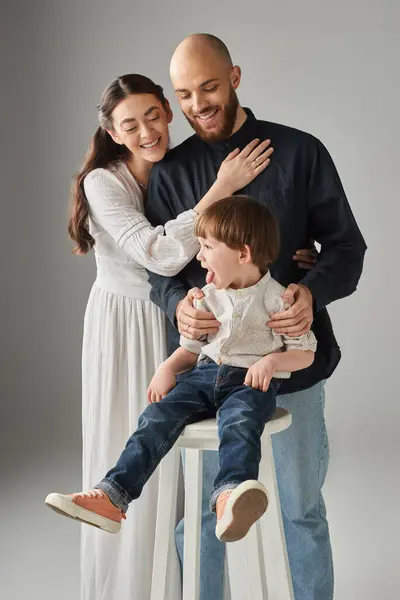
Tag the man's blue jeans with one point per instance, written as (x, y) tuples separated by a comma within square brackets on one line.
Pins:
[(301, 461), (207, 390)]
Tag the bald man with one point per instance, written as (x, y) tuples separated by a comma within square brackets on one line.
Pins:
[(303, 189)]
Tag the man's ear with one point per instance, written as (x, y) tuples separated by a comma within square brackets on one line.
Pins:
[(236, 75)]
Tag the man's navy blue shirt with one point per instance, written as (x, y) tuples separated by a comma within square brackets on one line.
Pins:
[(302, 188)]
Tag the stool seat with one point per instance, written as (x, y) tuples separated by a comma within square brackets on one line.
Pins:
[(208, 428), (261, 556)]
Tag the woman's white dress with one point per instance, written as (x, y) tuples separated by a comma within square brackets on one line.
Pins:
[(123, 343)]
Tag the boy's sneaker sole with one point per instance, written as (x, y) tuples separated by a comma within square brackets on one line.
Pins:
[(63, 505), (246, 504)]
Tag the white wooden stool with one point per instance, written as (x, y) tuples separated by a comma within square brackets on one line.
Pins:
[(258, 565)]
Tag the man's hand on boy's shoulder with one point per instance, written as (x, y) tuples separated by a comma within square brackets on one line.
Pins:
[(191, 322), (297, 319)]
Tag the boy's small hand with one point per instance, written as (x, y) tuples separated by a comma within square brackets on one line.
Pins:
[(260, 374), (163, 381)]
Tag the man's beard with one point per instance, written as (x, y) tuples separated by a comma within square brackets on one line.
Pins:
[(228, 111)]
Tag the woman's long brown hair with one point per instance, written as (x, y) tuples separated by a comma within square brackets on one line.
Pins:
[(103, 152)]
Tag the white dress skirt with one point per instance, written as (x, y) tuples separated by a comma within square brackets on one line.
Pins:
[(123, 343)]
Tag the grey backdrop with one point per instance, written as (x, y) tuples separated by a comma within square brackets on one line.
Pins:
[(330, 68)]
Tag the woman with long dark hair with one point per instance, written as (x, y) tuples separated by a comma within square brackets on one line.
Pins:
[(124, 336)]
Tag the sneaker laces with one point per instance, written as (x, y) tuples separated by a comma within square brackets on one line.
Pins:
[(221, 502), (223, 494), (90, 494), (95, 494)]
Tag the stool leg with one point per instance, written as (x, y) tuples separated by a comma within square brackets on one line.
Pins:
[(277, 568), (191, 544), (255, 567), (247, 554), (164, 546), (234, 556)]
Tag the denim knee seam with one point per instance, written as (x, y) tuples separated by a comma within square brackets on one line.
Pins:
[(144, 476)]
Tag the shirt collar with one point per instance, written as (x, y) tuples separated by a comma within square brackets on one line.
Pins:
[(240, 138), (253, 289)]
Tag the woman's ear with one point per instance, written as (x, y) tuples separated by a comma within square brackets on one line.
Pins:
[(114, 136), (170, 114)]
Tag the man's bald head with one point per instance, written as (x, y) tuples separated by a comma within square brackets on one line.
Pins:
[(201, 44), (205, 82)]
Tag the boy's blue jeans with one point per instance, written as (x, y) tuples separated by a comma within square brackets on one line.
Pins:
[(203, 392)]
